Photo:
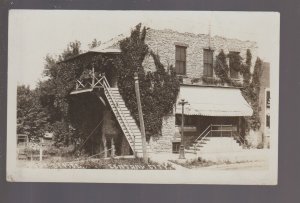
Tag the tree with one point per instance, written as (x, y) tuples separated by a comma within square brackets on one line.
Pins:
[(94, 44), (31, 117), (71, 118), (54, 92)]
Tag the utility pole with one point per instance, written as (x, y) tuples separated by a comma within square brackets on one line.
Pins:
[(181, 149), (142, 126)]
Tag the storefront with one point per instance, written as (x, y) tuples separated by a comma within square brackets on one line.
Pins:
[(219, 110)]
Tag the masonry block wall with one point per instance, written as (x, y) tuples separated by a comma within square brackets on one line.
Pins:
[(163, 142), (163, 43)]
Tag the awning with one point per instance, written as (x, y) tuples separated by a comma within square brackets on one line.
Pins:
[(213, 101)]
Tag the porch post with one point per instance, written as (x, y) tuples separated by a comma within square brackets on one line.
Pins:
[(93, 76), (181, 149), (141, 119)]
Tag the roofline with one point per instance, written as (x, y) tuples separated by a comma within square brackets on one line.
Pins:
[(86, 53), (192, 85)]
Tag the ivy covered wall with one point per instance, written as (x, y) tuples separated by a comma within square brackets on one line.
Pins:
[(158, 88)]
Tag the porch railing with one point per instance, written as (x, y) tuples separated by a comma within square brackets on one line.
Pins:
[(220, 131)]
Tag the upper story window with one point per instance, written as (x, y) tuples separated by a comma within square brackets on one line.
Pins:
[(180, 66), (233, 62), (208, 63), (268, 99)]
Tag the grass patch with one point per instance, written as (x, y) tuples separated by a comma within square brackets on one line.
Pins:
[(194, 163), (197, 163)]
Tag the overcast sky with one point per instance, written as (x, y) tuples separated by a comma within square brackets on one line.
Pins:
[(35, 33)]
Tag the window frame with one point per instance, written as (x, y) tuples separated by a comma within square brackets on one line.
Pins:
[(180, 60), (268, 98), (207, 62)]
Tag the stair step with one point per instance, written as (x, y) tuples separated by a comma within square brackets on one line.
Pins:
[(125, 120)]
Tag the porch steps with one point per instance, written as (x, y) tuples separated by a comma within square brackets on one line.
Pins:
[(125, 120), (217, 144)]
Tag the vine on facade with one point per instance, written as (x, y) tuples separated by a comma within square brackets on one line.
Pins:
[(250, 91), (251, 82), (159, 88)]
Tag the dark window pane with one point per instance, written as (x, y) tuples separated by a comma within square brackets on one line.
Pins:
[(208, 62), (177, 54), (268, 99), (268, 121), (180, 57), (234, 73), (208, 71)]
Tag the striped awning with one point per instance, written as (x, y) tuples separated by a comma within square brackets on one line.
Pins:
[(213, 101)]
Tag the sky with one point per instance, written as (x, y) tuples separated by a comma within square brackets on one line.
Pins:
[(34, 34)]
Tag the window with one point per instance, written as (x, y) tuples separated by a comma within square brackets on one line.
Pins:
[(180, 66), (233, 62), (175, 147), (268, 121), (208, 63), (188, 120), (268, 99)]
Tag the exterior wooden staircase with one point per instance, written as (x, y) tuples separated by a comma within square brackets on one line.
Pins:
[(124, 118)]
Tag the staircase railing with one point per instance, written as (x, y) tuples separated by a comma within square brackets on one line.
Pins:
[(198, 138), (241, 139), (221, 130), (123, 118)]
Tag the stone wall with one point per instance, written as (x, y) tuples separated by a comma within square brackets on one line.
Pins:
[(163, 142), (163, 42)]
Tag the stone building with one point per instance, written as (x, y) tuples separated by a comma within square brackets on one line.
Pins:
[(214, 109), (193, 57)]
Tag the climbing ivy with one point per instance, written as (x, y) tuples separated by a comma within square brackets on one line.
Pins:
[(159, 88), (251, 82), (246, 72), (221, 68), (250, 91), (235, 61)]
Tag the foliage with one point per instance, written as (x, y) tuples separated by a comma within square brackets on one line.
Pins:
[(125, 164), (235, 61), (211, 80), (31, 116), (72, 118), (195, 80), (221, 68), (95, 43), (195, 163), (251, 94), (251, 82), (73, 49), (159, 89), (246, 68)]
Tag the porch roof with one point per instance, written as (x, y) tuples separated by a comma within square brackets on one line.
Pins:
[(213, 101)]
